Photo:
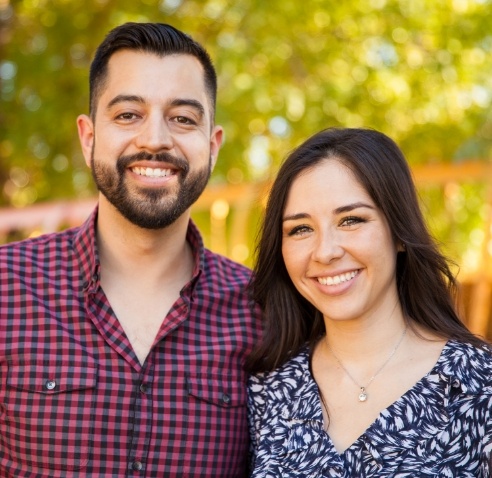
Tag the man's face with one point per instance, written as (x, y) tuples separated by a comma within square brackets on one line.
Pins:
[(152, 144)]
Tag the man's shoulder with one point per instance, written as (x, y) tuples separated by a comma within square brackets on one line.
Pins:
[(36, 252), (42, 240), (220, 264)]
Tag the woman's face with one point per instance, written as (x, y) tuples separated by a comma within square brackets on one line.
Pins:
[(337, 245)]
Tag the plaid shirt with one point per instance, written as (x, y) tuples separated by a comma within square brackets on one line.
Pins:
[(74, 399)]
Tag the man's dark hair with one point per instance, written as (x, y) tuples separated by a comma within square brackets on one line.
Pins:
[(157, 38)]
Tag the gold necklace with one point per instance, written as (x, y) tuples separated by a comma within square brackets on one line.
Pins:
[(363, 388)]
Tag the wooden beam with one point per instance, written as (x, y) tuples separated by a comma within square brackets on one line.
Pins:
[(452, 172)]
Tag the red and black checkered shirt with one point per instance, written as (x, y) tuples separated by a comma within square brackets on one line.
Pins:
[(74, 399)]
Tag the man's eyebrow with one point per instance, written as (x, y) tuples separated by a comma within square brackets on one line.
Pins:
[(176, 102), (189, 102), (125, 98)]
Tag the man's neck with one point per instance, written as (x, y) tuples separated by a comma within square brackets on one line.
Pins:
[(125, 248), (142, 273)]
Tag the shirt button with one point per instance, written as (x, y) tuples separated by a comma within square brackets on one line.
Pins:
[(50, 384), (144, 388), (226, 398), (137, 466)]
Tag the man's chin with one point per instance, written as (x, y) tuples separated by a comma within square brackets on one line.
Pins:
[(150, 222), (151, 214)]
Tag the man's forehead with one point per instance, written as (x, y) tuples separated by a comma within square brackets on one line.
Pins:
[(162, 73), (175, 61)]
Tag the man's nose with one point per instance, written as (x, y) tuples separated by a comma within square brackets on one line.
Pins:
[(155, 134)]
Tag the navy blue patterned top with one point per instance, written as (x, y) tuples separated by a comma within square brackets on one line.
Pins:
[(441, 427)]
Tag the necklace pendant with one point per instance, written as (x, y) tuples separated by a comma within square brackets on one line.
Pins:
[(362, 395)]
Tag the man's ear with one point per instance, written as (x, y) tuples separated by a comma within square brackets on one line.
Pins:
[(85, 127), (215, 144)]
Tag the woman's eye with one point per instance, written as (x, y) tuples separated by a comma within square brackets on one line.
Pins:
[(351, 221), (299, 231)]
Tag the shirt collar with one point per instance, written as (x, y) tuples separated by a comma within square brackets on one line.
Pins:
[(86, 252), (463, 367), (195, 241)]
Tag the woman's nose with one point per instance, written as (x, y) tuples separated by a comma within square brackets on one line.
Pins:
[(328, 247)]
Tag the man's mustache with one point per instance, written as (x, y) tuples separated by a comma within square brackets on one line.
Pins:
[(177, 162)]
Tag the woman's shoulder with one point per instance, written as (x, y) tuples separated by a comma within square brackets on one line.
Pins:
[(459, 351), (469, 365), (288, 391), (298, 363), (295, 367)]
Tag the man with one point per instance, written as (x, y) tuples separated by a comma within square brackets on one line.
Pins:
[(122, 341)]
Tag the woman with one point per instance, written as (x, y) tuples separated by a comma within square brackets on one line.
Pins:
[(365, 369)]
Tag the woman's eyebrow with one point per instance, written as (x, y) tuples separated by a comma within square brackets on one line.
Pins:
[(338, 210), (294, 217), (352, 206)]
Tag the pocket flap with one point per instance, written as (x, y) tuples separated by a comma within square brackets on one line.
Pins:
[(52, 377), (224, 391)]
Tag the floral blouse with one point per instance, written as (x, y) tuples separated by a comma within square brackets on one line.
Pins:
[(441, 427)]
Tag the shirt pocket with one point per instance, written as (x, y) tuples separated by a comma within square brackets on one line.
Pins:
[(217, 431), (226, 392), (49, 413)]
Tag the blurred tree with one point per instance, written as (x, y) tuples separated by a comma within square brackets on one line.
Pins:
[(418, 70)]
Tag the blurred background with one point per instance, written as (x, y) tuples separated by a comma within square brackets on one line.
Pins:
[(418, 70)]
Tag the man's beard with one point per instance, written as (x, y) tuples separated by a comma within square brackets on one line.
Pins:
[(150, 208)]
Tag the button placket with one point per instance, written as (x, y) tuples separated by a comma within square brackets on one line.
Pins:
[(144, 388), (144, 419)]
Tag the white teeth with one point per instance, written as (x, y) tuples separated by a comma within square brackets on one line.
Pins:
[(335, 280), (152, 172)]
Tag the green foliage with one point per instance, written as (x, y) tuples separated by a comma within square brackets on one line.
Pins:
[(418, 70)]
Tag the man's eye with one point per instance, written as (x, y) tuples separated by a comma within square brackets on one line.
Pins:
[(184, 120), (126, 116)]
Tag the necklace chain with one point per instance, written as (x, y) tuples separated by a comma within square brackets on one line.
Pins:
[(363, 393)]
